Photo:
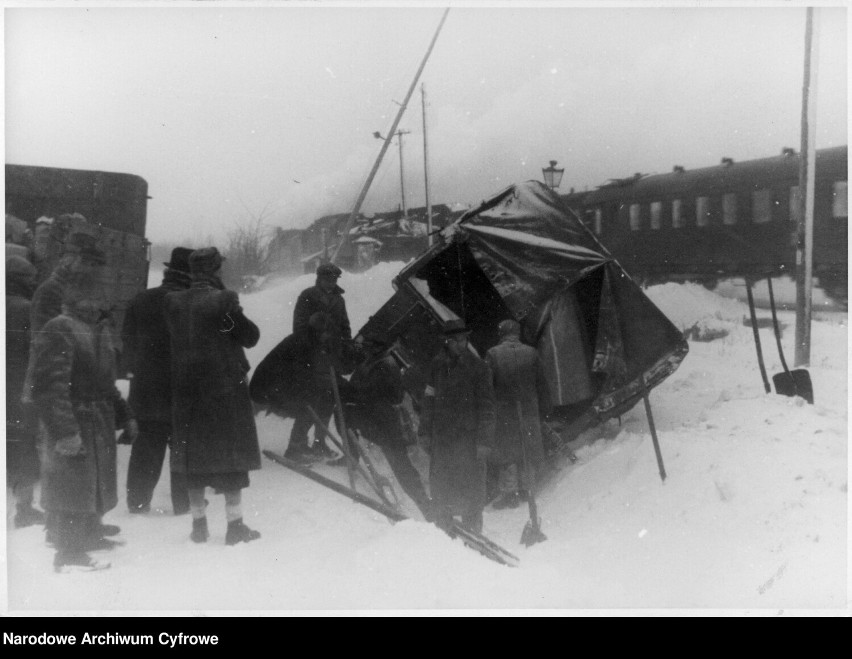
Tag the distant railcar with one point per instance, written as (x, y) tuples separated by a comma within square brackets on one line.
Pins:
[(737, 219)]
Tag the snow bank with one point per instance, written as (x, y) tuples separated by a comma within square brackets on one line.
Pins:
[(752, 515)]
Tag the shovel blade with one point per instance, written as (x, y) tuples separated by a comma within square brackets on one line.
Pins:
[(794, 383), (532, 534)]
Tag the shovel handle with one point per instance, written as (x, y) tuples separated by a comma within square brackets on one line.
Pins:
[(756, 336)]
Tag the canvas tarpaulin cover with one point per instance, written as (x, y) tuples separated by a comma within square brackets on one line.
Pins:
[(523, 254)]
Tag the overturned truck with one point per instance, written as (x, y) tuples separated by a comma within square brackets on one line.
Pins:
[(524, 255)]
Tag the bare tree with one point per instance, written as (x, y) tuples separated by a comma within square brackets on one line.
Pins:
[(247, 251)]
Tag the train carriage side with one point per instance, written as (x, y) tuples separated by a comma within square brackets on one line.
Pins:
[(734, 219)]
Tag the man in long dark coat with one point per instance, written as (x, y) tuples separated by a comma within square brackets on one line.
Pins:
[(458, 421), (147, 359), (326, 297), (518, 379), (22, 461), (215, 440), (378, 392), (80, 268), (79, 406), (294, 375)]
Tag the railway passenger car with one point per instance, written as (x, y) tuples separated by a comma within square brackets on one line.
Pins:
[(736, 219)]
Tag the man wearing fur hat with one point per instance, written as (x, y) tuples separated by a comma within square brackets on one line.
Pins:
[(458, 423), (79, 407), (147, 360), (214, 441), (22, 461)]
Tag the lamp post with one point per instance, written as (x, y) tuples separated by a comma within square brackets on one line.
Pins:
[(399, 135), (552, 175)]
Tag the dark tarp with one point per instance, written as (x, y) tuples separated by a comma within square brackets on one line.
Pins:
[(524, 255)]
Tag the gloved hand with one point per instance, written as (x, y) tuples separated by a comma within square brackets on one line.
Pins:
[(70, 447), (483, 452), (131, 432)]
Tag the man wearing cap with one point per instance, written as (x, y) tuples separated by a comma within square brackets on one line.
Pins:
[(326, 297), (79, 269), (458, 422), (294, 375), (147, 360), (518, 379), (79, 408), (214, 440), (22, 461), (378, 392)]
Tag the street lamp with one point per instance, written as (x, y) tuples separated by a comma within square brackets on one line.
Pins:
[(552, 175), (399, 135)]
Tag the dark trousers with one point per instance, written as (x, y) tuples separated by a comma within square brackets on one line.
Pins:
[(69, 531), (304, 420), (146, 463), (408, 477)]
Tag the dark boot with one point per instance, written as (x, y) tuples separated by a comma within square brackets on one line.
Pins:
[(199, 530), (239, 532), (508, 500), (28, 516)]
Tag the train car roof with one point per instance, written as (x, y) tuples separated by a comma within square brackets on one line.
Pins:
[(748, 173), (62, 181)]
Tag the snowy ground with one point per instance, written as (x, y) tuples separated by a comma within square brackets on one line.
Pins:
[(752, 516)]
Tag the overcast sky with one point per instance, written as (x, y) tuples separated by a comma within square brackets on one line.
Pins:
[(233, 112)]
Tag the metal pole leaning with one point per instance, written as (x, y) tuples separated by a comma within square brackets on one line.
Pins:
[(341, 419), (653, 429), (351, 460)]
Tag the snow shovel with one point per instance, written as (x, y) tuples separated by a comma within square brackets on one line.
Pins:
[(756, 336), (789, 383), (532, 530)]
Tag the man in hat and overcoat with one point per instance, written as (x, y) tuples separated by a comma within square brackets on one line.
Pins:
[(147, 360), (326, 297), (79, 408), (518, 380), (214, 441), (458, 422), (79, 269)]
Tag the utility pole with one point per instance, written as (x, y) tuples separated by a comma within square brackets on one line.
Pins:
[(426, 170), (399, 135), (805, 220), (345, 237)]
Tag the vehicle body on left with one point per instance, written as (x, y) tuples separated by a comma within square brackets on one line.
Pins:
[(45, 205)]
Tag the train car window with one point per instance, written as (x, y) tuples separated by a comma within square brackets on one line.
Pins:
[(761, 206), (677, 213), (656, 214), (598, 221), (729, 208), (840, 202), (795, 201), (635, 217), (702, 211)]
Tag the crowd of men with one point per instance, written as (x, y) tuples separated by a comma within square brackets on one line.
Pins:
[(183, 350)]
